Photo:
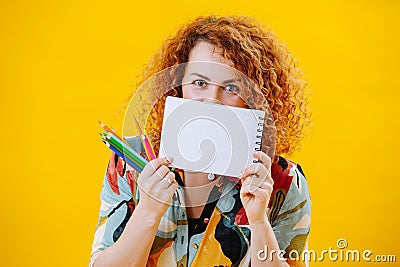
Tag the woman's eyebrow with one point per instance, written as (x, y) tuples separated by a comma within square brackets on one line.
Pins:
[(230, 81), (206, 78), (200, 75)]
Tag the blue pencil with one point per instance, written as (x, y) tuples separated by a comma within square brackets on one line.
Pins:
[(121, 155), (125, 148)]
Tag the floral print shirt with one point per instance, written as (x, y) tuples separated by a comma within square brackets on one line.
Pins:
[(225, 240)]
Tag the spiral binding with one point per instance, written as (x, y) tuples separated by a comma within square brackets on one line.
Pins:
[(259, 136)]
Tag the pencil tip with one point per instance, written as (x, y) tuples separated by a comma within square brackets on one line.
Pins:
[(137, 125)]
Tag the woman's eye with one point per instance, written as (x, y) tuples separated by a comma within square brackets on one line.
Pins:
[(232, 88), (200, 83)]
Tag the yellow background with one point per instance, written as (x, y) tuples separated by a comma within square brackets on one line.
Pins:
[(66, 64)]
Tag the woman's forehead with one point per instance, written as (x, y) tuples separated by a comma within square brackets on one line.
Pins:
[(205, 51), (212, 71)]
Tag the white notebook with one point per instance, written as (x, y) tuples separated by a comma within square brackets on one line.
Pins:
[(208, 137)]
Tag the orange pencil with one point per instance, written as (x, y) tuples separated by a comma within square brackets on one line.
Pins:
[(108, 129)]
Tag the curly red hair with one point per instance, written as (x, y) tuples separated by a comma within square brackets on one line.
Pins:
[(254, 51)]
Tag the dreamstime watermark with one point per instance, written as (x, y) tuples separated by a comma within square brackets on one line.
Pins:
[(332, 254)]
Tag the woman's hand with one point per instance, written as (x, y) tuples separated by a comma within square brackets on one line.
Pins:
[(156, 186), (256, 190)]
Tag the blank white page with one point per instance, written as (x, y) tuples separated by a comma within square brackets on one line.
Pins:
[(208, 137)]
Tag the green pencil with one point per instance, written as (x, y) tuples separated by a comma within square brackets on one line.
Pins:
[(121, 146)]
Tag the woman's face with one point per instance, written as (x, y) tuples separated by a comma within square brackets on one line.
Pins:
[(208, 81)]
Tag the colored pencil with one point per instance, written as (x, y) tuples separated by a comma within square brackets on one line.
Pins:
[(117, 145), (108, 129), (123, 146), (146, 142), (131, 154), (121, 155)]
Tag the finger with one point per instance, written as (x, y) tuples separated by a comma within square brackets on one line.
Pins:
[(160, 172), (253, 180), (270, 180), (163, 189), (246, 181), (262, 191), (266, 185), (149, 182), (247, 190), (154, 164), (166, 188), (172, 188), (256, 168), (170, 191), (264, 158), (164, 182), (168, 180), (244, 190), (250, 183), (253, 183)]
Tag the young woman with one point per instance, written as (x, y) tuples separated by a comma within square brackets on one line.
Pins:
[(190, 219)]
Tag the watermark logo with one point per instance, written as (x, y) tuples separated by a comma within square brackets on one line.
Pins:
[(339, 253), (342, 243)]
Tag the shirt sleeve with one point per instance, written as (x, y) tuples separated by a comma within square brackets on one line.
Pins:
[(116, 205), (292, 224)]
